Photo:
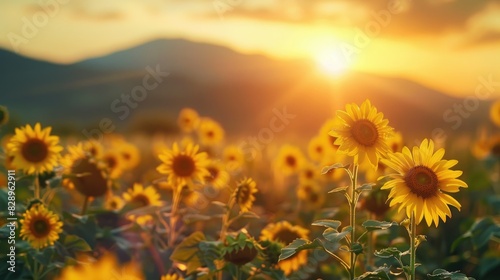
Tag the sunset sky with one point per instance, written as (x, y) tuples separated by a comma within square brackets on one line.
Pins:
[(443, 44)]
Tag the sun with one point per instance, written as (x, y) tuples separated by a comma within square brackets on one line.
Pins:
[(332, 62)]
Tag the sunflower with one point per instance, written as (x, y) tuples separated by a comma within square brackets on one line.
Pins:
[(139, 196), (114, 203), (311, 194), (362, 133), (183, 167), (395, 141), (233, 157), (192, 198), (40, 226), (285, 233), (309, 172), (421, 179), (495, 113), (210, 132), (114, 163), (318, 148), (244, 194), (106, 268), (218, 177), (93, 147), (325, 129), (84, 173), (4, 115), (130, 156), (34, 149), (188, 119), (289, 160), (171, 277)]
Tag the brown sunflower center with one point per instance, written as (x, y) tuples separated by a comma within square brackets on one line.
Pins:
[(111, 162), (364, 132), (314, 197), (422, 181), (93, 151), (214, 172), (127, 156), (495, 150), (88, 179), (210, 134), (183, 166), (291, 161), (35, 150), (286, 236), (40, 228), (395, 147), (243, 194), (319, 149), (140, 200), (309, 174)]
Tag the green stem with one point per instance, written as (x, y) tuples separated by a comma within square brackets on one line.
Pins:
[(369, 245), (352, 204), (85, 205), (238, 272), (413, 249), (37, 187), (225, 219), (173, 216)]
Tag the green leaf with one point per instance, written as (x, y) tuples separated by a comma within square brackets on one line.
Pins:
[(75, 243), (327, 223), (365, 187), (371, 225), (187, 252), (298, 245), (388, 253), (357, 248), (45, 256), (441, 274), (210, 251), (381, 273), (339, 189), (334, 236), (480, 233), (327, 169)]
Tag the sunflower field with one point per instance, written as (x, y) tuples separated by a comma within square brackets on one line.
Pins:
[(355, 201)]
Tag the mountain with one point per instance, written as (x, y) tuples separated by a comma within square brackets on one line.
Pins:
[(240, 91)]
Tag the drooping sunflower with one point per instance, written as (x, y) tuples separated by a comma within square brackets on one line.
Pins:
[(244, 194), (495, 113), (285, 233), (210, 132), (34, 149), (139, 196), (106, 268), (40, 227), (171, 277), (84, 173), (422, 181), (218, 177), (4, 115), (184, 167), (233, 157), (188, 119), (289, 159), (362, 133)]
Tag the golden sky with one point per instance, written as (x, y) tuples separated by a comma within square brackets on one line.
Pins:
[(443, 44)]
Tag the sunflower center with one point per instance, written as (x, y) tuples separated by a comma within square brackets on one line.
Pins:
[(88, 179), (286, 236), (210, 134), (291, 161), (243, 194), (35, 150), (214, 172), (183, 166), (314, 197), (40, 228), (422, 181), (364, 132), (140, 200), (309, 174), (319, 149), (111, 162), (126, 156), (495, 150)]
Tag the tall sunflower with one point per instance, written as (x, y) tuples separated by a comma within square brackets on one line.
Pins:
[(84, 173), (244, 194), (40, 226), (34, 149), (285, 233), (184, 167), (362, 133), (106, 268), (422, 177)]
